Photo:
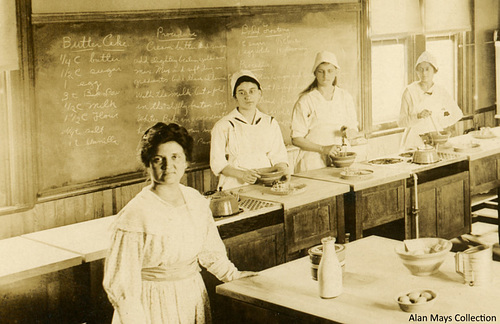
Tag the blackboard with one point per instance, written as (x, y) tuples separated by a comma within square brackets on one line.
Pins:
[(100, 84)]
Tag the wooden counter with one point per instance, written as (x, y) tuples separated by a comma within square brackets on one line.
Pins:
[(484, 163), (374, 276), (314, 191), (381, 175), (89, 239), (309, 215), (23, 258)]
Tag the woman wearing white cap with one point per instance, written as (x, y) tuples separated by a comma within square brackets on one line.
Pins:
[(425, 105), (321, 114), (246, 139)]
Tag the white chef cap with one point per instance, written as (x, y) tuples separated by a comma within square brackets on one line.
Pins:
[(429, 58), (239, 74), (325, 56)]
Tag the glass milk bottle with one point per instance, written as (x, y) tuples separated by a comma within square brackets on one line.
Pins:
[(329, 270)]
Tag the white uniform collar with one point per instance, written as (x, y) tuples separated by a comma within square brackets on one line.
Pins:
[(235, 114)]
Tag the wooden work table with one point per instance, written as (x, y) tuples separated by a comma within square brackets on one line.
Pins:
[(384, 196), (313, 191), (484, 163), (374, 276), (23, 258), (311, 213)]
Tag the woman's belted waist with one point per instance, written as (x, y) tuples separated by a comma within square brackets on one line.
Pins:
[(172, 272)]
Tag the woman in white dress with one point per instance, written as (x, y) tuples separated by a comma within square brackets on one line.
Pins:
[(321, 114), (160, 239), (426, 106), (246, 139)]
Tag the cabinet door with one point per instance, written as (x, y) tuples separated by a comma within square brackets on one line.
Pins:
[(306, 225), (444, 207), (484, 174), (257, 250)]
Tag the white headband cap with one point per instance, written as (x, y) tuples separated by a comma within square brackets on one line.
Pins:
[(429, 58), (238, 75), (325, 56)]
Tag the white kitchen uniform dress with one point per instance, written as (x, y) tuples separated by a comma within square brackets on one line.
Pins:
[(245, 144), (152, 269), (445, 112), (320, 120)]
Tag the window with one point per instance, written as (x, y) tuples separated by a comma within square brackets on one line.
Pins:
[(389, 77), (444, 49)]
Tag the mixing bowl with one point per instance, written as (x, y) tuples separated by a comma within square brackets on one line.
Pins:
[(269, 175), (440, 137), (429, 259), (343, 160)]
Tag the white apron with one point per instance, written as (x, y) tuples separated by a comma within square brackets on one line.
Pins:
[(246, 152), (411, 137), (328, 118)]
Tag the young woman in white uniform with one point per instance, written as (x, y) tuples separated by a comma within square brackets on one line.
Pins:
[(425, 105), (246, 139), (320, 113)]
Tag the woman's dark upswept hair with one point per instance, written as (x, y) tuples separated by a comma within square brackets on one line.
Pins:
[(162, 133)]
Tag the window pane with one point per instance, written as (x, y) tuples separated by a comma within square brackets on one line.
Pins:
[(444, 51), (388, 81)]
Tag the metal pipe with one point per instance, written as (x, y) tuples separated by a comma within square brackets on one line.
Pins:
[(415, 204)]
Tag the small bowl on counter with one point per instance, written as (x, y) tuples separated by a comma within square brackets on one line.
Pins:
[(440, 137), (315, 254), (269, 175), (343, 159), (427, 259), (416, 300)]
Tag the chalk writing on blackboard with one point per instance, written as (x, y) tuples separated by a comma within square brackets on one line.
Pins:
[(100, 84)]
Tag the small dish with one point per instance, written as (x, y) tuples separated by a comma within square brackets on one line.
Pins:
[(283, 188), (466, 147), (416, 300), (483, 134), (386, 161), (353, 174)]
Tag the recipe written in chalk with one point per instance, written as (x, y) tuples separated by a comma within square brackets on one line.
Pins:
[(100, 85)]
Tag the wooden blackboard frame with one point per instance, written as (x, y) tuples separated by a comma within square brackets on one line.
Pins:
[(135, 177)]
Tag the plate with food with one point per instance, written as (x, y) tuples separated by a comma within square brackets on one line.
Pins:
[(354, 174), (483, 133), (284, 188), (385, 161), (466, 147)]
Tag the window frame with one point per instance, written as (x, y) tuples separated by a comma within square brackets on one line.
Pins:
[(416, 44)]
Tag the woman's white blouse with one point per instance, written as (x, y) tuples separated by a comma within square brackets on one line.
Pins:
[(245, 145), (151, 233)]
